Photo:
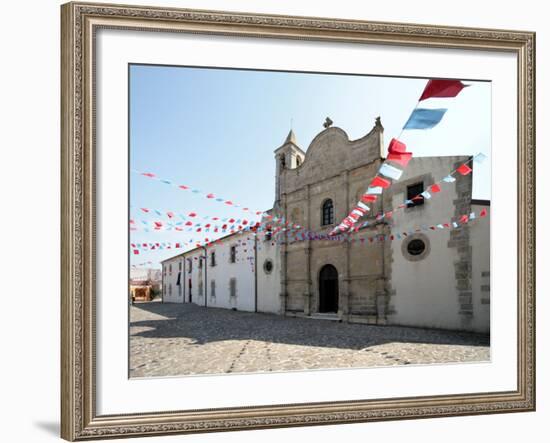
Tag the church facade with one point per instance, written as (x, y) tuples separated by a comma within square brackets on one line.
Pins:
[(428, 278)]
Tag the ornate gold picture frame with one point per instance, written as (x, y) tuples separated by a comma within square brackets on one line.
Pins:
[(80, 23)]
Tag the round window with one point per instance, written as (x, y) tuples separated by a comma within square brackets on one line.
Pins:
[(416, 247), (268, 266)]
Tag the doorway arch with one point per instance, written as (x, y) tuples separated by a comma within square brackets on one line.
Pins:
[(328, 289)]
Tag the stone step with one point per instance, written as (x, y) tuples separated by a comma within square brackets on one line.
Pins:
[(324, 316)]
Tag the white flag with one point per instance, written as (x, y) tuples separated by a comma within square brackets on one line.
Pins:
[(390, 171), (374, 190)]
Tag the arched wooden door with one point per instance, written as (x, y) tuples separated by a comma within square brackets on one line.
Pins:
[(328, 289)]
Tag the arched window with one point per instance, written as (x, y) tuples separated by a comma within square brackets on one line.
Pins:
[(327, 214)]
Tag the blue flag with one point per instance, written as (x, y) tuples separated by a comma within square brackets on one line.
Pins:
[(424, 118)]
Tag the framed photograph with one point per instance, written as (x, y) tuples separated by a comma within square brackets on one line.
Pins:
[(275, 221)]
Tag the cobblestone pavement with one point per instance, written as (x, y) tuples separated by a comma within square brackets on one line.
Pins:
[(181, 339)]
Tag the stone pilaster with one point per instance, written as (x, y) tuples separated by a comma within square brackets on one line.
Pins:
[(460, 239), (307, 250), (381, 294), (284, 258), (308, 308), (282, 303), (344, 290)]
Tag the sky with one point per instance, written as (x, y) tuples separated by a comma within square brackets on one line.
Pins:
[(215, 130)]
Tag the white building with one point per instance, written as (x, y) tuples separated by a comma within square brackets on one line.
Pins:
[(225, 275), (427, 277)]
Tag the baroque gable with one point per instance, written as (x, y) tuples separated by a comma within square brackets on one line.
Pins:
[(330, 153)]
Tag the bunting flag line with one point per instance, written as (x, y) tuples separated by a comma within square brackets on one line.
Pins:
[(208, 195), (426, 118), (433, 189), (453, 224), (420, 118), (399, 152), (270, 223), (139, 265), (189, 219)]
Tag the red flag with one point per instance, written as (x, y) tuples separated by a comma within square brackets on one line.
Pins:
[(145, 209), (397, 152), (442, 88), (170, 214), (228, 202), (464, 169), (183, 187), (347, 222), (483, 212), (379, 181), (436, 188), (231, 220), (210, 196), (464, 219), (189, 223), (403, 159), (366, 198), (136, 251), (396, 147), (148, 174), (192, 214)]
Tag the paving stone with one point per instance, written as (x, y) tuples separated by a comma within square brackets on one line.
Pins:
[(184, 339)]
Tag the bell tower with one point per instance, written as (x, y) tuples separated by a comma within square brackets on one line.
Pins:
[(287, 156)]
